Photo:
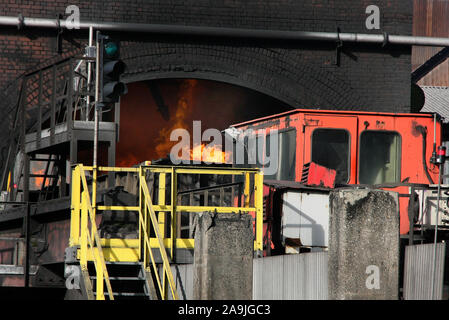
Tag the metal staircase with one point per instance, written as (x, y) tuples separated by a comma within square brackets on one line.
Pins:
[(128, 281), (141, 267)]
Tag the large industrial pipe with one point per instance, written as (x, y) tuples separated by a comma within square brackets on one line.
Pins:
[(383, 38)]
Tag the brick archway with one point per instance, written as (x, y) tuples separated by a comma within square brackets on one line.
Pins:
[(283, 75)]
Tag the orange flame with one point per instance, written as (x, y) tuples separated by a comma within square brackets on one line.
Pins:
[(208, 153), (37, 181), (184, 106)]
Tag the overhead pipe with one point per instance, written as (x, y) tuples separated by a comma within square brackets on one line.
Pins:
[(384, 38)]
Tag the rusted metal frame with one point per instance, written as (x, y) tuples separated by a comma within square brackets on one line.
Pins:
[(53, 106), (12, 145), (26, 186), (27, 223), (39, 112)]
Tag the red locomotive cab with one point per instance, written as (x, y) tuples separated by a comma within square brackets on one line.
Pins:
[(380, 150)]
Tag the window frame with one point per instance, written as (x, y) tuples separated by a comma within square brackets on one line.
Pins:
[(280, 131), (360, 154), (349, 146)]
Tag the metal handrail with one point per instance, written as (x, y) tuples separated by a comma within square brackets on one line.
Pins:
[(86, 242), (152, 220), (148, 207)]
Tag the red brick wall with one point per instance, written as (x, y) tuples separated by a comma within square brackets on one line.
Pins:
[(369, 77)]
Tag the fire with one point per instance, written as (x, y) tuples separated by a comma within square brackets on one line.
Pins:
[(208, 153), (37, 181), (185, 105), (146, 123), (183, 109)]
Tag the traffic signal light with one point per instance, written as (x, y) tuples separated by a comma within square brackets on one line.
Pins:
[(111, 67)]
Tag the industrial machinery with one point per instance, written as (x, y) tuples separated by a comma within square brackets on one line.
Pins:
[(395, 152)]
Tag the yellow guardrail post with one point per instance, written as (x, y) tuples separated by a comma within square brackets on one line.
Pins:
[(258, 203), (84, 230), (161, 219), (75, 208), (89, 213), (173, 194), (246, 193), (93, 212), (161, 201), (141, 248), (83, 247), (165, 263), (100, 276)]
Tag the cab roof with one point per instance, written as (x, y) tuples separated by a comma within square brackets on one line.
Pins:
[(337, 112)]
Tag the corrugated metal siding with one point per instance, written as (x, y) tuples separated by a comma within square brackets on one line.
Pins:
[(287, 277), (183, 276), (418, 270), (291, 277)]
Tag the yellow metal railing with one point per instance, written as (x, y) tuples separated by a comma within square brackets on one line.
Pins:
[(155, 235), (146, 209), (88, 230)]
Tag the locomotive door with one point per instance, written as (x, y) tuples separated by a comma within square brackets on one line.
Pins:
[(331, 141)]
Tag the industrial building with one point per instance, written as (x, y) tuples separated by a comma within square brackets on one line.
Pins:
[(219, 150)]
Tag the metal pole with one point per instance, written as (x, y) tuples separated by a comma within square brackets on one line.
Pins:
[(436, 233), (206, 32), (26, 270), (97, 97), (89, 74)]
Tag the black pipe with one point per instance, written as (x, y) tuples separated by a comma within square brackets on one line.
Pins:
[(182, 30)]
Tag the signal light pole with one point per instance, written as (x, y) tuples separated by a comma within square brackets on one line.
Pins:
[(108, 89), (96, 125)]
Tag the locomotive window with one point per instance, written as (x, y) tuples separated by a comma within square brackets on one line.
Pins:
[(286, 156), (380, 157), (330, 148), (256, 148)]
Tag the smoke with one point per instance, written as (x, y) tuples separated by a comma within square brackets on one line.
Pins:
[(148, 116)]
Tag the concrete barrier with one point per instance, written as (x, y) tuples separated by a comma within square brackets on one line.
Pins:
[(223, 256), (363, 244)]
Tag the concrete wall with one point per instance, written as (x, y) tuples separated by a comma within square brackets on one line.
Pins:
[(223, 257), (363, 244)]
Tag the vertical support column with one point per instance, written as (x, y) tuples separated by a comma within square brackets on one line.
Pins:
[(75, 207), (111, 162), (174, 197), (27, 245), (223, 257), (161, 201), (100, 275), (258, 203), (246, 190), (363, 244), (83, 239), (53, 107), (70, 97), (94, 198), (142, 213), (39, 113), (161, 222)]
